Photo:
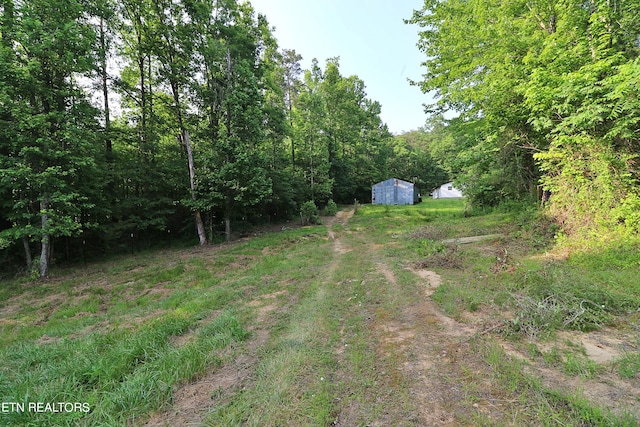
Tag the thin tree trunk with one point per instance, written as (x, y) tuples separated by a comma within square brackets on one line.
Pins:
[(293, 144), (27, 252), (45, 253), (210, 223), (227, 220), (184, 134), (202, 236), (227, 228)]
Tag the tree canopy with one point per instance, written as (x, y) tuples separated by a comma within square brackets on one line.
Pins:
[(546, 97), (130, 123)]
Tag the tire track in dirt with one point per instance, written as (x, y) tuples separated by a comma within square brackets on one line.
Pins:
[(191, 402), (420, 343), (341, 218), (426, 343)]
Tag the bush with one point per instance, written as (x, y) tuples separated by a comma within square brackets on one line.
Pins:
[(331, 209), (309, 213)]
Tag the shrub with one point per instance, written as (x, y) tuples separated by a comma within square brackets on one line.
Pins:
[(309, 213), (331, 209)]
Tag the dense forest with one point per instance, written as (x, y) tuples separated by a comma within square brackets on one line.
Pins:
[(130, 123)]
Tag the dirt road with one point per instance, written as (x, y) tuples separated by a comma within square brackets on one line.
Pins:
[(396, 357)]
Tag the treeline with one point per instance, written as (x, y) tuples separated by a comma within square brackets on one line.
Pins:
[(548, 96), (133, 122)]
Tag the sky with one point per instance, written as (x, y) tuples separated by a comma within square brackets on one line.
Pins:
[(371, 40)]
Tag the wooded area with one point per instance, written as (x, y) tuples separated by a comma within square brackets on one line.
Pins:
[(547, 93), (131, 123), (125, 124)]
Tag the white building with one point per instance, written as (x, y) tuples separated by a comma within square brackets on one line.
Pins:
[(446, 191)]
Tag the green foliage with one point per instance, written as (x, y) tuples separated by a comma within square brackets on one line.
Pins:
[(577, 365), (331, 209), (546, 94), (413, 159), (342, 145), (429, 248), (309, 213), (80, 180), (48, 144)]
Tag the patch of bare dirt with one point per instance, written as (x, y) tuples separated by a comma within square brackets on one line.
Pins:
[(606, 389), (131, 320), (342, 217), (240, 262), (46, 305), (426, 342), (11, 308), (96, 327), (266, 304), (157, 289), (45, 339), (432, 280), (603, 346), (339, 247)]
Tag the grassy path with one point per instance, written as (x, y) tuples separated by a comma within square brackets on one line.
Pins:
[(365, 321), (360, 343)]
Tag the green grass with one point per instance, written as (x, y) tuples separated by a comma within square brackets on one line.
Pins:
[(591, 289), (629, 365), (121, 373), (123, 334), (107, 334), (538, 404)]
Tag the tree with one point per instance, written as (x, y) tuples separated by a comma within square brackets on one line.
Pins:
[(148, 168), (591, 115), (341, 136), (313, 165), (232, 97), (476, 66), (545, 92), (173, 49), (291, 71), (49, 162), (412, 159)]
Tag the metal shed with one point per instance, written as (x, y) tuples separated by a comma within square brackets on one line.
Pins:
[(394, 191)]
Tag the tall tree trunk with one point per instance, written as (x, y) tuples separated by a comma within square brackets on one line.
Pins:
[(105, 93), (46, 247), (227, 228), (202, 236), (174, 83)]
